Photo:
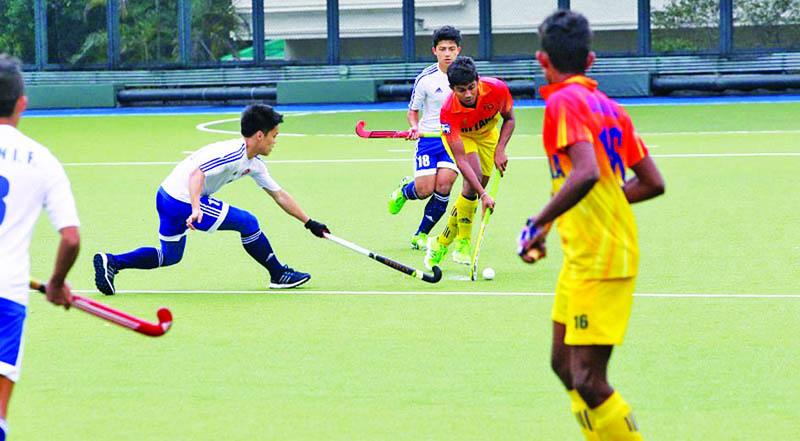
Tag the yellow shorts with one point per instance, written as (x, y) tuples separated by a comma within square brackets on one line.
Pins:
[(484, 144), (595, 312)]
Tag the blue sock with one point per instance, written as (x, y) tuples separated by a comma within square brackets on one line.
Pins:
[(258, 247), (253, 239), (149, 257), (3, 429), (410, 192), (434, 210), (140, 258)]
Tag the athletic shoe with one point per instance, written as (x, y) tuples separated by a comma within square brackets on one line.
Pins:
[(463, 252), (104, 272), (435, 253), (419, 241), (397, 199), (289, 278)]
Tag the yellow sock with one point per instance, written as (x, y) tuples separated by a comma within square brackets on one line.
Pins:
[(614, 420), (466, 211), (450, 230), (585, 418)]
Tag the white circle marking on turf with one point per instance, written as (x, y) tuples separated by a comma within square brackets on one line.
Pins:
[(204, 127)]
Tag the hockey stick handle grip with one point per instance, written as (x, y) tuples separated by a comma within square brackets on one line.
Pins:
[(37, 286)]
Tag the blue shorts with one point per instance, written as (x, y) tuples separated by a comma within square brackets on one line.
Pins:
[(12, 320), (430, 156), (172, 215)]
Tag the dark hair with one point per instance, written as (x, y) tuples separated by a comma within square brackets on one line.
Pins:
[(462, 72), (259, 117), (566, 37), (11, 85), (446, 33)]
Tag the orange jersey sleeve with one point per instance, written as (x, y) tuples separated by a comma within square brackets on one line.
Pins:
[(566, 122)]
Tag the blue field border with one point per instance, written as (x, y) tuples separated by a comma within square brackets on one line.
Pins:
[(394, 105)]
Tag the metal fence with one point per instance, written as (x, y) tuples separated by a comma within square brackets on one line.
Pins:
[(151, 34)]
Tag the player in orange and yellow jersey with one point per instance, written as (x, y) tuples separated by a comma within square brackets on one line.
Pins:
[(590, 142), (470, 118)]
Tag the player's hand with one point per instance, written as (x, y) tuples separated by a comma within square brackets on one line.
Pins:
[(413, 133), (531, 244), (487, 202), (500, 161), (59, 293), (196, 216), (317, 228)]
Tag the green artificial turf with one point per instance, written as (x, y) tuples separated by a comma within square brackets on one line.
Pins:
[(362, 352)]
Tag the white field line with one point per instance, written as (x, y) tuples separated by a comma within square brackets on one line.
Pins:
[(381, 160), (443, 293), (204, 127)]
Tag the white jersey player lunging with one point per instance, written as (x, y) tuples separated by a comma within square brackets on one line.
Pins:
[(184, 202)]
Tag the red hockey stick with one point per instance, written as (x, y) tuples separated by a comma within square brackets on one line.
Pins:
[(112, 315), (364, 133)]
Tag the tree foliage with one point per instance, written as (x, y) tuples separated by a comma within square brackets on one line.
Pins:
[(689, 25), (77, 31)]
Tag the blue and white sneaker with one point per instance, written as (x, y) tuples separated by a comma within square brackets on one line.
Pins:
[(104, 272), (289, 278)]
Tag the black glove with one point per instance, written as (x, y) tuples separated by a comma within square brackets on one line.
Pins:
[(317, 228)]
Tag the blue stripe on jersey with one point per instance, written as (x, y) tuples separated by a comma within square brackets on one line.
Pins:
[(430, 70), (223, 157), (223, 160)]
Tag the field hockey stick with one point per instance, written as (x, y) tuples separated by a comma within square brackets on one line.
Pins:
[(413, 272), (364, 133), (116, 316), (473, 269)]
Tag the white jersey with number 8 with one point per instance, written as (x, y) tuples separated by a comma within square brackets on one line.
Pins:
[(31, 178)]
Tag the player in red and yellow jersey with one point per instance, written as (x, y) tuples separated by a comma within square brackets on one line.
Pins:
[(590, 142), (469, 118)]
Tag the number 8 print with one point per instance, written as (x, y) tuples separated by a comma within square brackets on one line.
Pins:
[(3, 194)]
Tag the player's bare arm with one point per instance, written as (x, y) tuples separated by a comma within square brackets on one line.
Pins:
[(585, 173), (648, 182), (506, 130), (290, 206), (58, 291), (196, 181), (413, 123)]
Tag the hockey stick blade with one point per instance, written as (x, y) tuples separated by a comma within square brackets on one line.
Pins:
[(437, 275), (362, 132), (116, 316)]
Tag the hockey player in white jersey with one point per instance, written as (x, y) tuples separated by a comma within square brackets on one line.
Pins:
[(31, 178), (184, 202), (435, 170)]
